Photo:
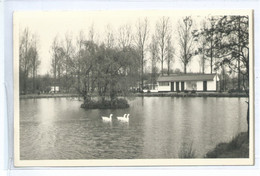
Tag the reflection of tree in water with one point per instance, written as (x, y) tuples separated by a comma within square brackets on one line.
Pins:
[(186, 150)]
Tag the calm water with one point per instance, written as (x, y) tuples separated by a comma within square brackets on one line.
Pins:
[(159, 127)]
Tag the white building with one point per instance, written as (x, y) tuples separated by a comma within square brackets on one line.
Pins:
[(54, 89), (188, 82)]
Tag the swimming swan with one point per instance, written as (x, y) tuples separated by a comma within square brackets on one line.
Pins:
[(121, 118), (107, 119), (126, 119)]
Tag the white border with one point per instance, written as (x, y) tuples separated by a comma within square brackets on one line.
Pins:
[(6, 44), (128, 162)]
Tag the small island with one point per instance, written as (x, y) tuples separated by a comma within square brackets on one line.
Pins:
[(106, 104)]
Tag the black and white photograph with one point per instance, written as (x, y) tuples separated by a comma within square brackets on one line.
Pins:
[(133, 88)]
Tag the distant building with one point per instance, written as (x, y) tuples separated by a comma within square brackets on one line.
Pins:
[(188, 82), (54, 89)]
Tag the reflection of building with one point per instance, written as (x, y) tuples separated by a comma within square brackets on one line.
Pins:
[(188, 82)]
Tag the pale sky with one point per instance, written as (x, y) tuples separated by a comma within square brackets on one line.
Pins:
[(47, 25)]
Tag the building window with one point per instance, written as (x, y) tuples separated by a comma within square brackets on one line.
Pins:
[(191, 85), (163, 83)]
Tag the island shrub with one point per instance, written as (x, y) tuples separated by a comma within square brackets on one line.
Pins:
[(119, 103), (186, 91), (193, 91)]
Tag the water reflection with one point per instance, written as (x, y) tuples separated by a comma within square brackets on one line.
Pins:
[(158, 127)]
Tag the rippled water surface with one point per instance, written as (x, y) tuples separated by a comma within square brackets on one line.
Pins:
[(159, 127)]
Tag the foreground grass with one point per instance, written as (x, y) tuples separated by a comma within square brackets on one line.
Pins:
[(238, 147)]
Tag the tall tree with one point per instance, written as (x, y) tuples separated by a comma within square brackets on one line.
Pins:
[(233, 44), (35, 62), (109, 38), (68, 62), (125, 36), (142, 36), (154, 58), (232, 48), (163, 30), (201, 42), (186, 40), (58, 57), (169, 54), (78, 58), (28, 58)]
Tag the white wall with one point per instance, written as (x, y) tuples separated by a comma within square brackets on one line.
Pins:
[(164, 88), (200, 86), (211, 86)]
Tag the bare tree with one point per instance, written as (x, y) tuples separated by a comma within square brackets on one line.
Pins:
[(162, 32), (58, 55), (154, 58), (23, 58), (35, 62), (201, 43), (68, 63), (169, 54), (110, 38), (186, 40), (142, 36), (124, 36), (91, 33), (78, 57), (28, 58)]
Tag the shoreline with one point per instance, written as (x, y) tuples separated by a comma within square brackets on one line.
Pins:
[(238, 147), (157, 94)]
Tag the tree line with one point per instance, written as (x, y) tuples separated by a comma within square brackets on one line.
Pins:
[(117, 64)]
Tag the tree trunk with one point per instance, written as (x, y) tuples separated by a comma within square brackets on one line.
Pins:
[(247, 118), (142, 74), (168, 71), (239, 54), (162, 67)]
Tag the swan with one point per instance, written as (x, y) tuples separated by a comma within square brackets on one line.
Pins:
[(121, 118), (107, 119), (126, 119)]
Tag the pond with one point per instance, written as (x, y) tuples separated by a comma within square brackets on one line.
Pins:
[(158, 127)]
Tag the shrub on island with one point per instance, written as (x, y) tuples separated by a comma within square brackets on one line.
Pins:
[(106, 104)]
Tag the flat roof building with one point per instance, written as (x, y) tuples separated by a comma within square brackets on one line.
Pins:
[(188, 82)]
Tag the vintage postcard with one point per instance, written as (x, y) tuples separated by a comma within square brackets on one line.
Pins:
[(133, 88)]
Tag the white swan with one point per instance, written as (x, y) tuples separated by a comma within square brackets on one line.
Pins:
[(121, 118), (107, 119), (126, 119)]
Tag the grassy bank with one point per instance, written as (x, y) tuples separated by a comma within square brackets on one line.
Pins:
[(196, 94), (238, 147), (30, 96)]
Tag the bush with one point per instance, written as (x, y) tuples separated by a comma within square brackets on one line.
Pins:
[(193, 91), (106, 104), (238, 147)]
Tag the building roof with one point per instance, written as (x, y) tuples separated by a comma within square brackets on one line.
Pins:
[(187, 77)]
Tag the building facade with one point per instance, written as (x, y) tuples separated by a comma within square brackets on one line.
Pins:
[(188, 82)]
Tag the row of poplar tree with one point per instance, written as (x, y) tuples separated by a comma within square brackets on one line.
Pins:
[(118, 63)]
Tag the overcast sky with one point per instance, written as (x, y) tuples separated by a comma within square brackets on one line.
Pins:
[(47, 25)]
